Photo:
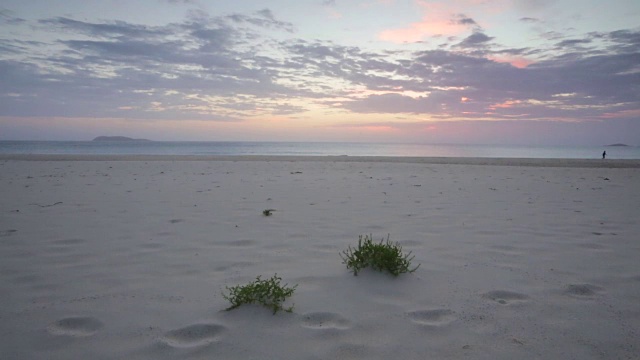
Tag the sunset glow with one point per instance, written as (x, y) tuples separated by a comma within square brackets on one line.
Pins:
[(519, 62), (399, 71)]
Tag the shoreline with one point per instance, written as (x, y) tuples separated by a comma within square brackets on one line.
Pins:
[(526, 162)]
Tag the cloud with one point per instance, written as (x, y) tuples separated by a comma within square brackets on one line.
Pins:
[(7, 17), (626, 41), (438, 20), (330, 8), (599, 84), (317, 50), (516, 61), (263, 18), (395, 103), (506, 132), (464, 20), (132, 70), (105, 30), (477, 39), (241, 66), (180, 1), (266, 13), (573, 42), (532, 5)]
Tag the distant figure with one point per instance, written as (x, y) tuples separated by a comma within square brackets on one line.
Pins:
[(604, 154)]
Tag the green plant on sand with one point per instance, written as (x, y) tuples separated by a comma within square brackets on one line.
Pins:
[(380, 256), (268, 212), (265, 292)]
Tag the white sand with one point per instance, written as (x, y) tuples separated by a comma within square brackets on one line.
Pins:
[(121, 259)]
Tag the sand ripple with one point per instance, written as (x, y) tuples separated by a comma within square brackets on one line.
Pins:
[(69, 242), (325, 320), (435, 317), (75, 326)]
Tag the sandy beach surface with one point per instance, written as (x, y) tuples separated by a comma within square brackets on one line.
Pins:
[(127, 257)]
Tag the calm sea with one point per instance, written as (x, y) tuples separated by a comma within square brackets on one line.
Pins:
[(310, 149)]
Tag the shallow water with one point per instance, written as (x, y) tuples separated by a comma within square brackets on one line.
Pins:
[(310, 149)]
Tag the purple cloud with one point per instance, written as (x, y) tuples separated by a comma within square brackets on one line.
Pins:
[(229, 67)]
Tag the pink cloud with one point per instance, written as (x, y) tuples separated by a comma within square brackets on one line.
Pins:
[(443, 18), (505, 105), (437, 20), (632, 113), (334, 14), (379, 128), (516, 61)]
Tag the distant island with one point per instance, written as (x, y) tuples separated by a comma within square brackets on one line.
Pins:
[(618, 145), (117, 138)]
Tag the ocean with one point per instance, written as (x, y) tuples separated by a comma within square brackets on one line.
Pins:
[(311, 149)]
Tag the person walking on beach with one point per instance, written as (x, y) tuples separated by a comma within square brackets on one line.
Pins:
[(604, 154)]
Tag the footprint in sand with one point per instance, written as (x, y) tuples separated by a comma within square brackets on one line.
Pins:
[(165, 233), (64, 246), (193, 335), (582, 290), (504, 297), (68, 242), (7, 232), (434, 317), (75, 326), (593, 246), (507, 250), (325, 320), (151, 245), (239, 243)]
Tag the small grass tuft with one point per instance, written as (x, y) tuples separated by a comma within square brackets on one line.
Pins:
[(380, 256), (268, 212), (265, 292)]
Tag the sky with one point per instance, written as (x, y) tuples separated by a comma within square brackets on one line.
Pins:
[(514, 72)]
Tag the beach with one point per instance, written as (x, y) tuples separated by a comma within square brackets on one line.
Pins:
[(127, 257)]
